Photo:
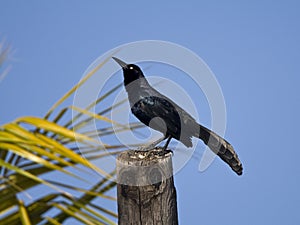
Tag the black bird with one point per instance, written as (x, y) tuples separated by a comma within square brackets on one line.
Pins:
[(161, 113)]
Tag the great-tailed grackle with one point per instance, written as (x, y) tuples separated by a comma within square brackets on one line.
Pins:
[(160, 113)]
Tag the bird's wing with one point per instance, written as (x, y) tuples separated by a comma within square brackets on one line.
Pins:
[(165, 116), (160, 108)]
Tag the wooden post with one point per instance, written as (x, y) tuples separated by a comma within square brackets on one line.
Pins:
[(146, 191)]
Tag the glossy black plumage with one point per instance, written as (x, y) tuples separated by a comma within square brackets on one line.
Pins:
[(161, 113)]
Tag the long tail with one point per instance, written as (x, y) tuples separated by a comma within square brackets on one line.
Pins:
[(222, 148)]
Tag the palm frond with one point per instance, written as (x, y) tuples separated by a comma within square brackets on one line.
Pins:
[(5, 51), (33, 148)]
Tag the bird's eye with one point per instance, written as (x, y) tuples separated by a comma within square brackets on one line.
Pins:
[(131, 68)]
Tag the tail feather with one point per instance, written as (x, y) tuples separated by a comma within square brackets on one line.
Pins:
[(222, 148)]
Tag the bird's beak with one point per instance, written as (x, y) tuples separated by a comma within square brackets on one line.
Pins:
[(120, 62)]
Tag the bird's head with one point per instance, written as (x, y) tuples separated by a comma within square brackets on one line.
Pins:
[(131, 72)]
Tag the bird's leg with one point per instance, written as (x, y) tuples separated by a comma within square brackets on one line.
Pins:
[(167, 143), (153, 144)]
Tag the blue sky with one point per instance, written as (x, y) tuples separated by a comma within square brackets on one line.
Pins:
[(253, 49)]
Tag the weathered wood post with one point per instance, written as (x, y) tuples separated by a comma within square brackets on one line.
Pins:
[(146, 191)]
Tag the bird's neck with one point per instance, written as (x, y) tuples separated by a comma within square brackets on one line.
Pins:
[(137, 89), (137, 83), (128, 78)]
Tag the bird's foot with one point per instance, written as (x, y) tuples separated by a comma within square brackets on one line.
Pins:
[(146, 147), (151, 146)]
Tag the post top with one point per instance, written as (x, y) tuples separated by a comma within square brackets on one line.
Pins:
[(142, 155)]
